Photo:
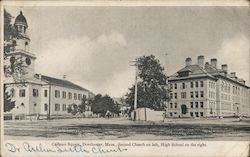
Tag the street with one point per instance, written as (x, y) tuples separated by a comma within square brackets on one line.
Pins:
[(124, 129)]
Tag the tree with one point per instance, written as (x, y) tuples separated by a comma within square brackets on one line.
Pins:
[(73, 109), (151, 89), (101, 104), (8, 102)]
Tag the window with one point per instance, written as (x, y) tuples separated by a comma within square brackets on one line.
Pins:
[(175, 86), (201, 113), (175, 113), (183, 85), (12, 92), (57, 93), (175, 105), (70, 95), (183, 95), (171, 86), (45, 107), (191, 94), (64, 94), (196, 105), (35, 92), (171, 105), (202, 84), (171, 95), (191, 114), (57, 107), (196, 94), (79, 96), (45, 93), (196, 84), (22, 104), (75, 96), (196, 114), (175, 95), (192, 104), (201, 104), (171, 114), (191, 84), (64, 107), (35, 104), (202, 94)]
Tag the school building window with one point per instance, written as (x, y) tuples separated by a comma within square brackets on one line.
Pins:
[(64, 107), (79, 96), (57, 93), (57, 107), (35, 92), (175, 105), (45, 93), (201, 114), (196, 84), (202, 84), (191, 84), (75, 96), (70, 95), (196, 105), (171, 105), (171, 114), (196, 114), (175, 95), (202, 94), (191, 114), (183, 95), (196, 94), (175, 86), (64, 94), (202, 104), (183, 85), (191, 94), (45, 107), (192, 104)]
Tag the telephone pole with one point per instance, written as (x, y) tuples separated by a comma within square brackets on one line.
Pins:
[(135, 64)]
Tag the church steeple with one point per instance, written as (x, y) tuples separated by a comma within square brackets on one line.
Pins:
[(21, 23), (22, 42)]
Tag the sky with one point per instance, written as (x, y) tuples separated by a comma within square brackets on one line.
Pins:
[(92, 46)]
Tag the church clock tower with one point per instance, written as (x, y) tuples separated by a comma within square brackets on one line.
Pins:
[(22, 49)]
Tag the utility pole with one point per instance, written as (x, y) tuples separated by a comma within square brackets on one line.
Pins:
[(136, 88)]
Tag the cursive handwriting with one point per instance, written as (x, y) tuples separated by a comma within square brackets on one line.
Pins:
[(77, 148)]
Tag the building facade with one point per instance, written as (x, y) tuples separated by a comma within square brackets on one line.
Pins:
[(205, 90), (37, 93)]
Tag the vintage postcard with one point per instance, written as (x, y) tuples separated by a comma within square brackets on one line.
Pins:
[(125, 78)]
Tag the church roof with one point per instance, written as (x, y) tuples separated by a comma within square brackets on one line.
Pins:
[(60, 82), (20, 19)]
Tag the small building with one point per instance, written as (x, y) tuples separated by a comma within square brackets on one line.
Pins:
[(206, 90)]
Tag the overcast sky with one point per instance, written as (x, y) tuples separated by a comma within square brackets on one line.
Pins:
[(93, 45)]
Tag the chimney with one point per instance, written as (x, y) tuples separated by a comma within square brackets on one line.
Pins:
[(242, 81), (224, 67), (233, 74), (188, 61), (214, 62), (200, 60)]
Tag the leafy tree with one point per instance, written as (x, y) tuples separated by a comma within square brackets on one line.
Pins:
[(151, 91), (8, 102), (73, 109), (101, 104)]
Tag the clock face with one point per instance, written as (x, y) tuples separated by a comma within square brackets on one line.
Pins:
[(28, 61), (12, 59)]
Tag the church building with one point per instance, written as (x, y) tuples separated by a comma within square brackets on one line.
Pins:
[(38, 93)]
